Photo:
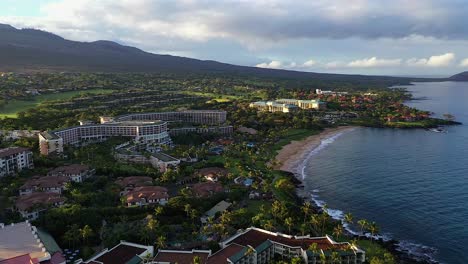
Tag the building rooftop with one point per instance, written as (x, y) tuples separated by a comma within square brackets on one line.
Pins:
[(123, 253), (147, 192), (213, 172), (70, 169), (205, 189), (45, 182), (29, 201), (49, 135), (18, 240), (178, 256), (5, 152), (134, 181), (163, 157), (222, 255)]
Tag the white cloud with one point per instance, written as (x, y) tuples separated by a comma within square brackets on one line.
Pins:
[(464, 63), (374, 62), (309, 63), (271, 65), (443, 60)]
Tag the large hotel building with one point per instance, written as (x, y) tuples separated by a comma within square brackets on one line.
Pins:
[(144, 128), (288, 105)]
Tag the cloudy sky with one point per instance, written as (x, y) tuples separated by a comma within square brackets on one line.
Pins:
[(398, 37)]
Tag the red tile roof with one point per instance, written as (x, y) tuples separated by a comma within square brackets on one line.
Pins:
[(255, 237), (11, 151), (205, 189), (148, 193), (28, 201), (134, 181), (180, 257), (222, 255), (213, 172), (45, 182), (23, 259), (69, 169), (120, 254)]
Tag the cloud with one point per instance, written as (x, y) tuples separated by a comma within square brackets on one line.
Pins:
[(464, 63), (374, 62), (309, 63), (271, 65), (443, 60)]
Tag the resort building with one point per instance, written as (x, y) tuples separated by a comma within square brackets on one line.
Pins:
[(123, 253), (31, 205), (23, 243), (76, 172), (146, 195), (163, 161), (213, 173), (220, 130), (258, 246), (205, 117), (206, 189), (143, 132), (54, 184), (15, 159), (133, 153), (288, 105), (129, 183)]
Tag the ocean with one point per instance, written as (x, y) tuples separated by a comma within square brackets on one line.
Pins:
[(412, 183)]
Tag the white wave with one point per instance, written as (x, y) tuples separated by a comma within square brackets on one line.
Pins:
[(418, 251), (323, 144)]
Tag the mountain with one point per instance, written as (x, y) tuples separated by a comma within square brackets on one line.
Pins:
[(461, 77), (26, 50)]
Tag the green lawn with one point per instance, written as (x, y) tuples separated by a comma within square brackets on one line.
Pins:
[(220, 98), (15, 106)]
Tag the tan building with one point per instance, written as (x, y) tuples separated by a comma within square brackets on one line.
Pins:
[(288, 105), (76, 172), (31, 205), (55, 184), (146, 195)]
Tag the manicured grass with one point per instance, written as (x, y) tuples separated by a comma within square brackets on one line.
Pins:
[(373, 249), (220, 98), (15, 106), (293, 135)]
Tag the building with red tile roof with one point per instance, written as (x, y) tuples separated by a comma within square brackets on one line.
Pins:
[(129, 183), (145, 195), (15, 159), (212, 173), (55, 184), (76, 172), (258, 246), (206, 189), (123, 253), (180, 256), (30, 205)]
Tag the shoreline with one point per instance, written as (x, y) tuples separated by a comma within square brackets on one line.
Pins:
[(292, 156)]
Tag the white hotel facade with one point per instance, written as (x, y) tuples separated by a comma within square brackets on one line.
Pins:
[(143, 128), (15, 159)]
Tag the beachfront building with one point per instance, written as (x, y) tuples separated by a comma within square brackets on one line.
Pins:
[(140, 131), (288, 105), (24, 243), (15, 159), (76, 172), (31, 205), (258, 246)]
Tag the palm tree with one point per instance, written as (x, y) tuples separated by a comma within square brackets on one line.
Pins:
[(315, 221), (335, 257), (323, 258), (196, 260), (187, 209), (268, 225), (373, 229), (363, 224), (306, 208), (161, 242), (86, 232), (313, 248), (338, 230), (348, 218), (158, 211), (289, 223)]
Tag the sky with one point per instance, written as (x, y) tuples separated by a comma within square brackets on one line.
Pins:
[(398, 37)]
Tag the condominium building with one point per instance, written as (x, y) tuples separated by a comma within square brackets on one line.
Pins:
[(206, 117), (145, 195), (258, 246), (288, 105), (75, 172), (31, 205), (55, 184), (15, 159), (145, 132)]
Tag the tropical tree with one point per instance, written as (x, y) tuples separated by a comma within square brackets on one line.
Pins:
[(335, 257), (306, 208), (363, 224), (289, 223), (196, 260), (373, 229), (348, 218), (313, 248), (338, 231), (86, 232), (161, 242)]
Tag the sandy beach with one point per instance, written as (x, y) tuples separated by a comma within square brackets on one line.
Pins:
[(291, 156)]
